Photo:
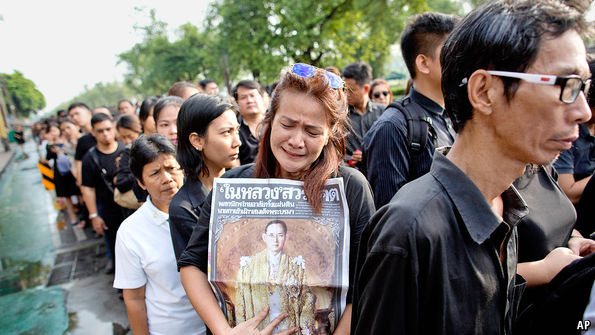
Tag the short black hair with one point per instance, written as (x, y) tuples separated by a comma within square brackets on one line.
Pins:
[(145, 108), (279, 222), (177, 89), (100, 117), (359, 71), (78, 104), (249, 84), (424, 33), (130, 122), (195, 116), (500, 35), (146, 149), (164, 102), (203, 83)]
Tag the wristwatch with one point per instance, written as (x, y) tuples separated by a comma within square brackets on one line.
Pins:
[(92, 216)]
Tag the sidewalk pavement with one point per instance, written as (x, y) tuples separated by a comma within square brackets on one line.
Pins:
[(5, 158)]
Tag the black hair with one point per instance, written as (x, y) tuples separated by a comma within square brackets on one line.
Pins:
[(249, 84), (100, 117), (359, 71), (145, 108), (66, 120), (164, 102), (195, 116), (145, 149), (500, 35), (279, 222), (203, 83), (178, 88), (424, 33), (130, 122), (125, 100), (78, 104)]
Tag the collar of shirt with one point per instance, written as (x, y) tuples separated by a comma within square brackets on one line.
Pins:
[(369, 108), (427, 103), (196, 191), (476, 213), (154, 215)]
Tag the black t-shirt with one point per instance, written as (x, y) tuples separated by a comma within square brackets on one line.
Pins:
[(249, 147), (83, 145), (92, 177)]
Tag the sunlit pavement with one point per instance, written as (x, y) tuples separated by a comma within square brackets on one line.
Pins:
[(51, 274)]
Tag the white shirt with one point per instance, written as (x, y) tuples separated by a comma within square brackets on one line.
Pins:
[(145, 256)]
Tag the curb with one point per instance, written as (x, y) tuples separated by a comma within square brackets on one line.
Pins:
[(8, 161)]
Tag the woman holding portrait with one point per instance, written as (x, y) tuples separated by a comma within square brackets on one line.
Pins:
[(303, 139)]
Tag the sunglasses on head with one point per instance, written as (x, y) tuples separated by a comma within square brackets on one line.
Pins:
[(377, 94), (307, 71)]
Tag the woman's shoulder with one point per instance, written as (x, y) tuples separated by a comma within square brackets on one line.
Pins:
[(351, 176), (243, 171)]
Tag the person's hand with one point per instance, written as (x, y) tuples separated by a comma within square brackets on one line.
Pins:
[(98, 225), (357, 156), (556, 260), (581, 246), (250, 327), (118, 161)]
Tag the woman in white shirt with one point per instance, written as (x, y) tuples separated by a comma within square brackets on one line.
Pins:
[(146, 268)]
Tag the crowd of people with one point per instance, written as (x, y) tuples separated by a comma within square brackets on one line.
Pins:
[(470, 199)]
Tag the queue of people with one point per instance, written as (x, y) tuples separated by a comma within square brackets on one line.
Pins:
[(462, 196)]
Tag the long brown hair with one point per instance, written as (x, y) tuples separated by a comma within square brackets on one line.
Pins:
[(335, 104)]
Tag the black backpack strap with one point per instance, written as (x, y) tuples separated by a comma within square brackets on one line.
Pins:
[(419, 126), (102, 171)]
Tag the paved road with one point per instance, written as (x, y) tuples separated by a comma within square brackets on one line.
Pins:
[(51, 279)]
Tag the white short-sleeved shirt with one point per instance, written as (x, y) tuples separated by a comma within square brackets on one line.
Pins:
[(145, 256)]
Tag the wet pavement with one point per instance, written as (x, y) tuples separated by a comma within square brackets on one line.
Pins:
[(51, 273)]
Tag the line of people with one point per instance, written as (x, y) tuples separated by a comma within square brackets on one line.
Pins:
[(460, 221)]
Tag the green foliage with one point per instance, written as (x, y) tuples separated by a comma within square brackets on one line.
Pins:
[(25, 98), (156, 63), (101, 94)]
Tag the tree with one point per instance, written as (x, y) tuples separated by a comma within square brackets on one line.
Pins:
[(264, 36), (23, 96), (156, 63)]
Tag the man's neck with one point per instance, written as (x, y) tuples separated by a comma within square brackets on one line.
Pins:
[(107, 148), (87, 128), (253, 120), (429, 90), (361, 108), (480, 158)]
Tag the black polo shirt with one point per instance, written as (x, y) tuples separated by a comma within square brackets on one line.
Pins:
[(249, 147), (437, 260)]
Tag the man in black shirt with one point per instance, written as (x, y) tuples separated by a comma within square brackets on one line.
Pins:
[(248, 95), (391, 162), (441, 257), (99, 169), (362, 112), (81, 115)]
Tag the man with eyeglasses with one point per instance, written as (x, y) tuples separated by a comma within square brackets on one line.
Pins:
[(400, 145), (441, 257), (362, 112)]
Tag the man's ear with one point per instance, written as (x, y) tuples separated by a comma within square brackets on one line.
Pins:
[(422, 64), (481, 90), (366, 88), (140, 183), (264, 237), (196, 141)]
